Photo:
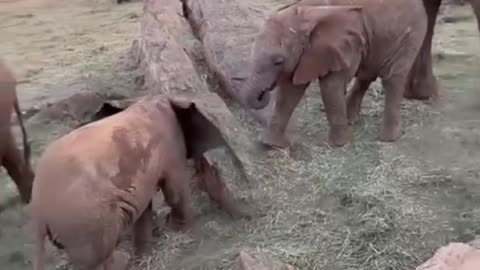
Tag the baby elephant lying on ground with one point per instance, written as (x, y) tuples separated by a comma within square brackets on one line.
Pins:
[(96, 181)]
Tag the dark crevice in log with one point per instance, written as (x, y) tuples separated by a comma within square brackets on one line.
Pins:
[(186, 12)]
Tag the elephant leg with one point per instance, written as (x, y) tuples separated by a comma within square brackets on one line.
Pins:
[(117, 261), (355, 98), (176, 191), (18, 169), (143, 231), (287, 98), (333, 94), (39, 235), (394, 87), (421, 83)]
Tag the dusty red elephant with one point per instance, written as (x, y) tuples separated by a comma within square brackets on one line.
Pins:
[(453, 256), (422, 83), (17, 165), (100, 179), (334, 42)]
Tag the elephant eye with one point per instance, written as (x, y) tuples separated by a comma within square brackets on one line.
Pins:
[(278, 60)]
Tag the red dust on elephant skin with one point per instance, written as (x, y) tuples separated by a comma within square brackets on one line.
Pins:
[(454, 256)]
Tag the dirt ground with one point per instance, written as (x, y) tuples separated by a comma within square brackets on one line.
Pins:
[(369, 205)]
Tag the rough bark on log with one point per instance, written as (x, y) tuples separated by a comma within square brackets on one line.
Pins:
[(164, 35), (168, 69), (227, 29)]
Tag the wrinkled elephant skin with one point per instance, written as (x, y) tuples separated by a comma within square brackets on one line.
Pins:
[(361, 39), (17, 165), (99, 179)]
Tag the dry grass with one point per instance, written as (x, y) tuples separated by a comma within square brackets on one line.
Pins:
[(48, 41), (369, 205)]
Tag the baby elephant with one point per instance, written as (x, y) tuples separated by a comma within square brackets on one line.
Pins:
[(17, 165), (99, 179), (335, 41)]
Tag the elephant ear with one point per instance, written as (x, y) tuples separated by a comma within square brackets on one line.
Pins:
[(334, 37), (200, 133)]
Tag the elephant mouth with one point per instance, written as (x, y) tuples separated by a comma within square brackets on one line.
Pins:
[(262, 95)]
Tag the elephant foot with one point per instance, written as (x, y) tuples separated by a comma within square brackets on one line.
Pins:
[(432, 100), (425, 95), (120, 260), (275, 139), (117, 261), (422, 85), (25, 194), (353, 119), (340, 135), (390, 133), (176, 223), (143, 248), (353, 111), (353, 116)]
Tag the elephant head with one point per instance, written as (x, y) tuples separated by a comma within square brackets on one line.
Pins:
[(300, 42)]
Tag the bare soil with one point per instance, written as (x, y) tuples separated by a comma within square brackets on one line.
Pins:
[(369, 205)]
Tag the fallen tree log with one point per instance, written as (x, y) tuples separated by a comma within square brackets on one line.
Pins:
[(161, 51)]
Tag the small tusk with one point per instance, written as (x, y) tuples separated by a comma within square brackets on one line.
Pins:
[(292, 30)]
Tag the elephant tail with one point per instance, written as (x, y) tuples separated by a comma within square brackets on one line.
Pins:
[(26, 143)]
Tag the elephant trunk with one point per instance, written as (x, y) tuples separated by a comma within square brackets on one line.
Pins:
[(255, 97)]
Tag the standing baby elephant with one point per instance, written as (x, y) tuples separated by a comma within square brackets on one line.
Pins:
[(335, 41), (96, 181), (17, 166)]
